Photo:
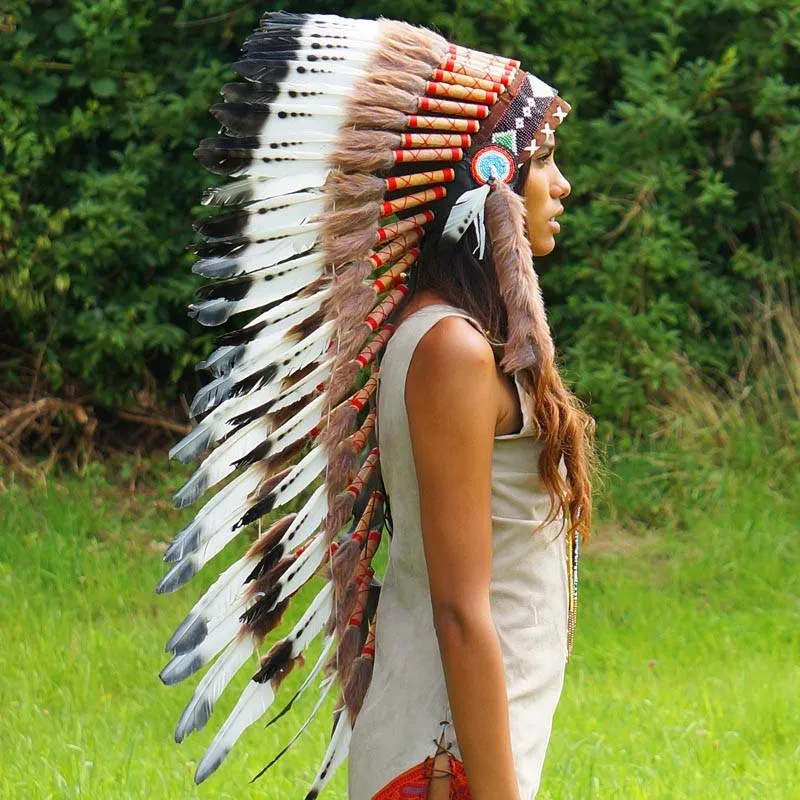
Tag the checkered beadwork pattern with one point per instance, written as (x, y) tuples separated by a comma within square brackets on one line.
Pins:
[(530, 118)]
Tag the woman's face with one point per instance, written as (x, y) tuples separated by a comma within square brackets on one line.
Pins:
[(545, 187)]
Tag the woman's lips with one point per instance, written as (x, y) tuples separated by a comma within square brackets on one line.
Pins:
[(554, 225)]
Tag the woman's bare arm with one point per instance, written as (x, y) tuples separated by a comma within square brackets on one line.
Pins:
[(452, 402)]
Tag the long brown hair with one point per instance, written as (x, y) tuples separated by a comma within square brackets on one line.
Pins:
[(565, 429)]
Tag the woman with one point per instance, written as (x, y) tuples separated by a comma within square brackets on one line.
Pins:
[(453, 427), (382, 207)]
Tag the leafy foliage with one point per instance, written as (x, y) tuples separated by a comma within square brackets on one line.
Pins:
[(682, 148)]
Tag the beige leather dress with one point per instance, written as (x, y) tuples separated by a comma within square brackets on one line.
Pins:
[(406, 707)]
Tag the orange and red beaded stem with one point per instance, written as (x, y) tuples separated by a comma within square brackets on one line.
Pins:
[(430, 139), (387, 306), (360, 398), (482, 72), (368, 650), (358, 440), (376, 344), (395, 229), (446, 175), (364, 474), (395, 248), (454, 91), (392, 276), (428, 123), (453, 108), (443, 76), (417, 155), (413, 200)]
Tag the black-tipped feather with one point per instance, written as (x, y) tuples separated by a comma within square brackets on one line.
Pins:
[(222, 162), (240, 118), (262, 70)]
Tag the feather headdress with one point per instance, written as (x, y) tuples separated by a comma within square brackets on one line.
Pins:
[(350, 141)]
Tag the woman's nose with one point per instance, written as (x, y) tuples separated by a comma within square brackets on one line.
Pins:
[(561, 187)]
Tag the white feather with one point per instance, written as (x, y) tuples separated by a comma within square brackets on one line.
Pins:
[(329, 42), (217, 423), (269, 285), (305, 385), (223, 593), (258, 358), (276, 321), (464, 213), (320, 700), (312, 621), (283, 169), (296, 209), (221, 462), (306, 470), (308, 519), (306, 565), (208, 691), (263, 188), (335, 754), (254, 702)]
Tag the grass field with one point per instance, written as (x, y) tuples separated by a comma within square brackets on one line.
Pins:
[(684, 682)]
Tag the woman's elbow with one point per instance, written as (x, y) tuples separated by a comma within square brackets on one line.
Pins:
[(462, 622)]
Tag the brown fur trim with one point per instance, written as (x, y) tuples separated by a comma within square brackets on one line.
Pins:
[(282, 673), (277, 418), (346, 605), (530, 344), (355, 188), (355, 690), (380, 118), (353, 244), (270, 537), (291, 380), (350, 346), (341, 422), (267, 581), (340, 510), (348, 278), (264, 625), (374, 94), (348, 650), (397, 75), (342, 377), (417, 43), (339, 223), (344, 564), (266, 486), (365, 151)]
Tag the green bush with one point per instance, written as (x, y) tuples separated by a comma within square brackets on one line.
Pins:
[(682, 148)]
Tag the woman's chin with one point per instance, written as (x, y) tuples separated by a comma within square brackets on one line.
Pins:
[(544, 245)]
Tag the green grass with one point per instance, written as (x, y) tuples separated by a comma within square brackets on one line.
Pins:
[(684, 681)]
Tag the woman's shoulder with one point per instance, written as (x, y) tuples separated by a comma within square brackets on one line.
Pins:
[(451, 350)]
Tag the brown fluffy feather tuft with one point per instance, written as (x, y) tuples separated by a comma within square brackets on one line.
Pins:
[(348, 650), (340, 425), (270, 537), (380, 118), (344, 564), (339, 223), (340, 511), (353, 244), (413, 43), (355, 689), (365, 151), (342, 377), (529, 344), (356, 188)]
